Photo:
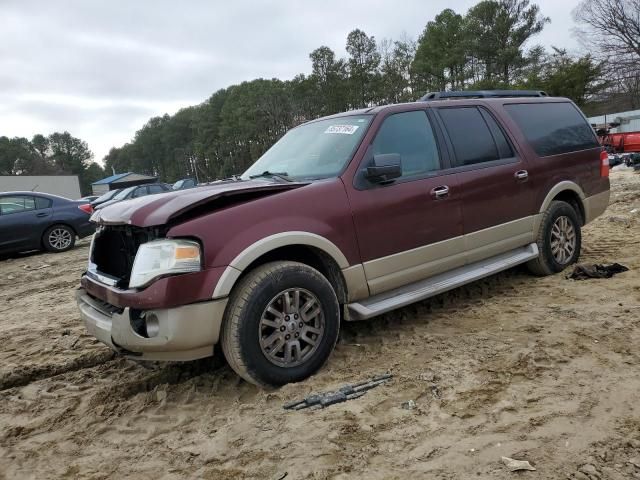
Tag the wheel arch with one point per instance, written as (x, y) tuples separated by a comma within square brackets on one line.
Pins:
[(308, 248), (570, 193)]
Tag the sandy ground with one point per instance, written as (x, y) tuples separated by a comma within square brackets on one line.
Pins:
[(541, 369)]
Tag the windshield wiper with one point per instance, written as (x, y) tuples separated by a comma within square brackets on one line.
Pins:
[(282, 175)]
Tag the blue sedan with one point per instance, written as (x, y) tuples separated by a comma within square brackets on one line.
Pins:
[(35, 221)]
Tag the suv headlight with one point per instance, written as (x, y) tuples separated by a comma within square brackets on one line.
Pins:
[(164, 257)]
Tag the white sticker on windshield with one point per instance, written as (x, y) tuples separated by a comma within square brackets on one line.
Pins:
[(343, 129)]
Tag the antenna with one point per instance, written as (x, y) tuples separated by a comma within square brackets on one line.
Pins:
[(34, 188)]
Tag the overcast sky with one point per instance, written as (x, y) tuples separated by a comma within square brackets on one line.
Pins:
[(101, 69)]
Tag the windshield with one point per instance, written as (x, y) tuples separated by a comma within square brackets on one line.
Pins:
[(106, 196), (123, 194), (315, 150)]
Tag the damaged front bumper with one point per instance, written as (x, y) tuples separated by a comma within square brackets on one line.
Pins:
[(180, 333)]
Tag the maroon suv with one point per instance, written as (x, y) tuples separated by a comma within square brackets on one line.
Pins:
[(344, 218)]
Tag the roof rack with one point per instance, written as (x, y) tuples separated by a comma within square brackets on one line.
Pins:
[(482, 94)]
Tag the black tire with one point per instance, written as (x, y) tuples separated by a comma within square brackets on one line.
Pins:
[(546, 263), (59, 238), (242, 327)]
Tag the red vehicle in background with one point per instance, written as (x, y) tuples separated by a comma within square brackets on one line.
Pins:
[(624, 142)]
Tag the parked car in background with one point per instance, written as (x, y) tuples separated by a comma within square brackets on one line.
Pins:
[(34, 221), (105, 197), (184, 184), (135, 192), (89, 198), (344, 218)]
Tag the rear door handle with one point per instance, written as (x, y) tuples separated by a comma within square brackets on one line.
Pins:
[(43, 214), (440, 192), (521, 175)]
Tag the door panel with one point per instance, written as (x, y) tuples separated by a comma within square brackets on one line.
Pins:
[(497, 195), (23, 230), (405, 234), (410, 228), (21, 222), (493, 196)]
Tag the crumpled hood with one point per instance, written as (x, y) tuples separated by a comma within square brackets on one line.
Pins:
[(159, 209)]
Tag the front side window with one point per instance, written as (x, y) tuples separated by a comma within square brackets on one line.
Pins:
[(314, 150), (16, 204), (470, 135), (553, 128), (410, 135)]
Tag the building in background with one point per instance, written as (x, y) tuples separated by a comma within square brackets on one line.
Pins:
[(629, 121), (66, 186), (120, 180)]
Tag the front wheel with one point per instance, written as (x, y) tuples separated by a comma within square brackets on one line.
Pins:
[(559, 240), (281, 324)]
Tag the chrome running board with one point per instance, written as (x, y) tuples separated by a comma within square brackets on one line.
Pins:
[(399, 297)]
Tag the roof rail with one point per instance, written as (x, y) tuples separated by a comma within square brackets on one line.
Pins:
[(482, 94)]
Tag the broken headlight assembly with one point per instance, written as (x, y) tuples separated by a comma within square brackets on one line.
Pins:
[(160, 258)]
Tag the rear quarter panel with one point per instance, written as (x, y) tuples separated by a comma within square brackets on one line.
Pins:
[(70, 214), (580, 167)]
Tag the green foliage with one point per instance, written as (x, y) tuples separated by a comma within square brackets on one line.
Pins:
[(363, 63), (57, 154), (440, 61), (565, 76), (496, 32)]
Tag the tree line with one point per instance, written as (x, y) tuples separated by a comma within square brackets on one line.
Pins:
[(56, 154), (489, 46)]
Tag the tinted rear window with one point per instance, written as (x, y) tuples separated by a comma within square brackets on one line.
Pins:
[(470, 135), (553, 128)]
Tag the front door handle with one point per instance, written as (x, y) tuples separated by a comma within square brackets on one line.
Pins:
[(440, 192), (521, 175)]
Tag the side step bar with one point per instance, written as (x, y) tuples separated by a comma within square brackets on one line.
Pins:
[(385, 302)]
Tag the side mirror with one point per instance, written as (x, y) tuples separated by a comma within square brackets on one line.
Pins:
[(385, 167)]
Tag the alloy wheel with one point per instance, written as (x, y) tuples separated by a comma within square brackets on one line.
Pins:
[(563, 240), (291, 327), (60, 238)]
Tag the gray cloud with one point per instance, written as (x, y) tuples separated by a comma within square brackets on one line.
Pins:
[(101, 69)]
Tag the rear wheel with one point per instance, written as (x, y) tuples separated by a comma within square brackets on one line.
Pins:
[(559, 240), (59, 238), (281, 324)]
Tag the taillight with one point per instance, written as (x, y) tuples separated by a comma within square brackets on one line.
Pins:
[(604, 164), (86, 208)]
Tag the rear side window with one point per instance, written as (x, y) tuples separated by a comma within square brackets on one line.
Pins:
[(504, 148), (155, 189), (475, 136), (553, 128), (410, 135), (42, 202)]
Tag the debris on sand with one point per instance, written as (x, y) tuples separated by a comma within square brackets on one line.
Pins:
[(408, 405), (517, 465), (344, 393), (596, 270)]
